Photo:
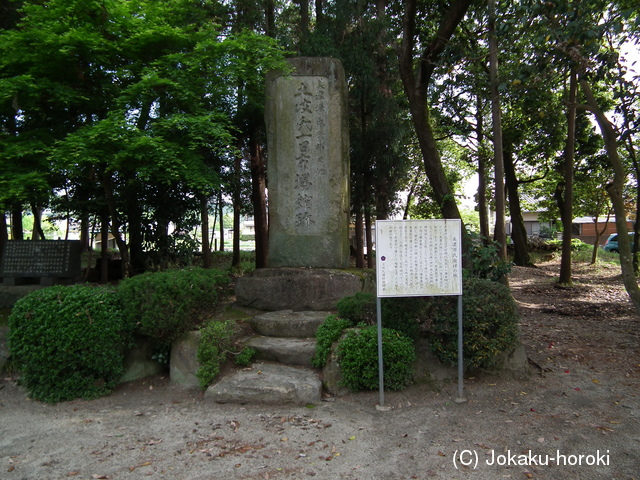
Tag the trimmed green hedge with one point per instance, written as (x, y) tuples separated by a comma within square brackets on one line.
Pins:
[(164, 305), (490, 324), (358, 359), (68, 342)]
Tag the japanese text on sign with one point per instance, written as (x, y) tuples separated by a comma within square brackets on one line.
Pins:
[(418, 257)]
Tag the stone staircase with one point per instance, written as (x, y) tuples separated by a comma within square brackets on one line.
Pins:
[(285, 342)]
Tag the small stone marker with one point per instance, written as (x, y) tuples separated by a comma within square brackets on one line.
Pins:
[(43, 259), (307, 133)]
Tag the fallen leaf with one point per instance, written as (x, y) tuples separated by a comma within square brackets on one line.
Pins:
[(73, 473), (353, 437), (145, 464), (442, 454)]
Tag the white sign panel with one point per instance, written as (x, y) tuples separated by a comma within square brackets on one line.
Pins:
[(418, 258)]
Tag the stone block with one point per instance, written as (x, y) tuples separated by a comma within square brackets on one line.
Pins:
[(138, 362), (184, 363), (288, 351), (287, 323), (299, 289), (268, 383)]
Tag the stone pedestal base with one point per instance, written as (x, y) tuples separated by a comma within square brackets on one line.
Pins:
[(300, 289)]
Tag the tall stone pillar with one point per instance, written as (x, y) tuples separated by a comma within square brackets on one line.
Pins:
[(308, 165)]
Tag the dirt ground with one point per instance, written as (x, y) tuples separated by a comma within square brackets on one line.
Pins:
[(575, 417)]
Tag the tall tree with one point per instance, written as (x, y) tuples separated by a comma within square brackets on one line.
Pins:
[(416, 75)]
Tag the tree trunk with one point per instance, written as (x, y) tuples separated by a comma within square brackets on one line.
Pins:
[(270, 18), (483, 211), (221, 213), (17, 231), (518, 229), (104, 244), (85, 237), (116, 227), (615, 190), (596, 243), (4, 235), (415, 86), (500, 234), (368, 237), (304, 17), (259, 200), (37, 232), (204, 220), (134, 215), (566, 208), (636, 226), (237, 198), (319, 11), (359, 238)]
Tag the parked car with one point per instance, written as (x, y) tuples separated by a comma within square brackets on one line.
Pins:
[(611, 244)]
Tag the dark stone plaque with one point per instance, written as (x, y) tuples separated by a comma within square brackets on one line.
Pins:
[(41, 258)]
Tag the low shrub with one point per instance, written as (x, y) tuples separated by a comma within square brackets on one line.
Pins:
[(401, 314), (68, 342), (163, 305), (215, 342), (358, 359), (328, 332), (245, 356), (359, 308), (490, 324), (484, 260)]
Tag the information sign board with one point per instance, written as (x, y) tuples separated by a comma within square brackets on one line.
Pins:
[(418, 257), (41, 258)]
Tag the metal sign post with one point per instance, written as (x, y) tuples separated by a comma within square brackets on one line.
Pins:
[(418, 258)]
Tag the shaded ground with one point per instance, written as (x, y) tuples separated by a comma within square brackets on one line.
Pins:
[(581, 399)]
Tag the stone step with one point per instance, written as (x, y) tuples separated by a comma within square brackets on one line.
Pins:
[(287, 323), (289, 351), (268, 383)]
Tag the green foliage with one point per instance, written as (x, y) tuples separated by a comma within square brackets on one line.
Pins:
[(358, 359), (359, 308), (404, 314), (485, 262), (490, 324), (577, 245), (215, 341), (328, 332), (401, 314), (163, 305), (68, 342), (245, 357)]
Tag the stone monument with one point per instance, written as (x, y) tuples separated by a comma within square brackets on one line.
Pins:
[(308, 169), (308, 137)]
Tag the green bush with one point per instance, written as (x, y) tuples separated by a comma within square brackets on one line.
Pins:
[(359, 308), (484, 260), (490, 324), (245, 357), (328, 332), (163, 305), (68, 342), (358, 359), (401, 314), (215, 342)]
